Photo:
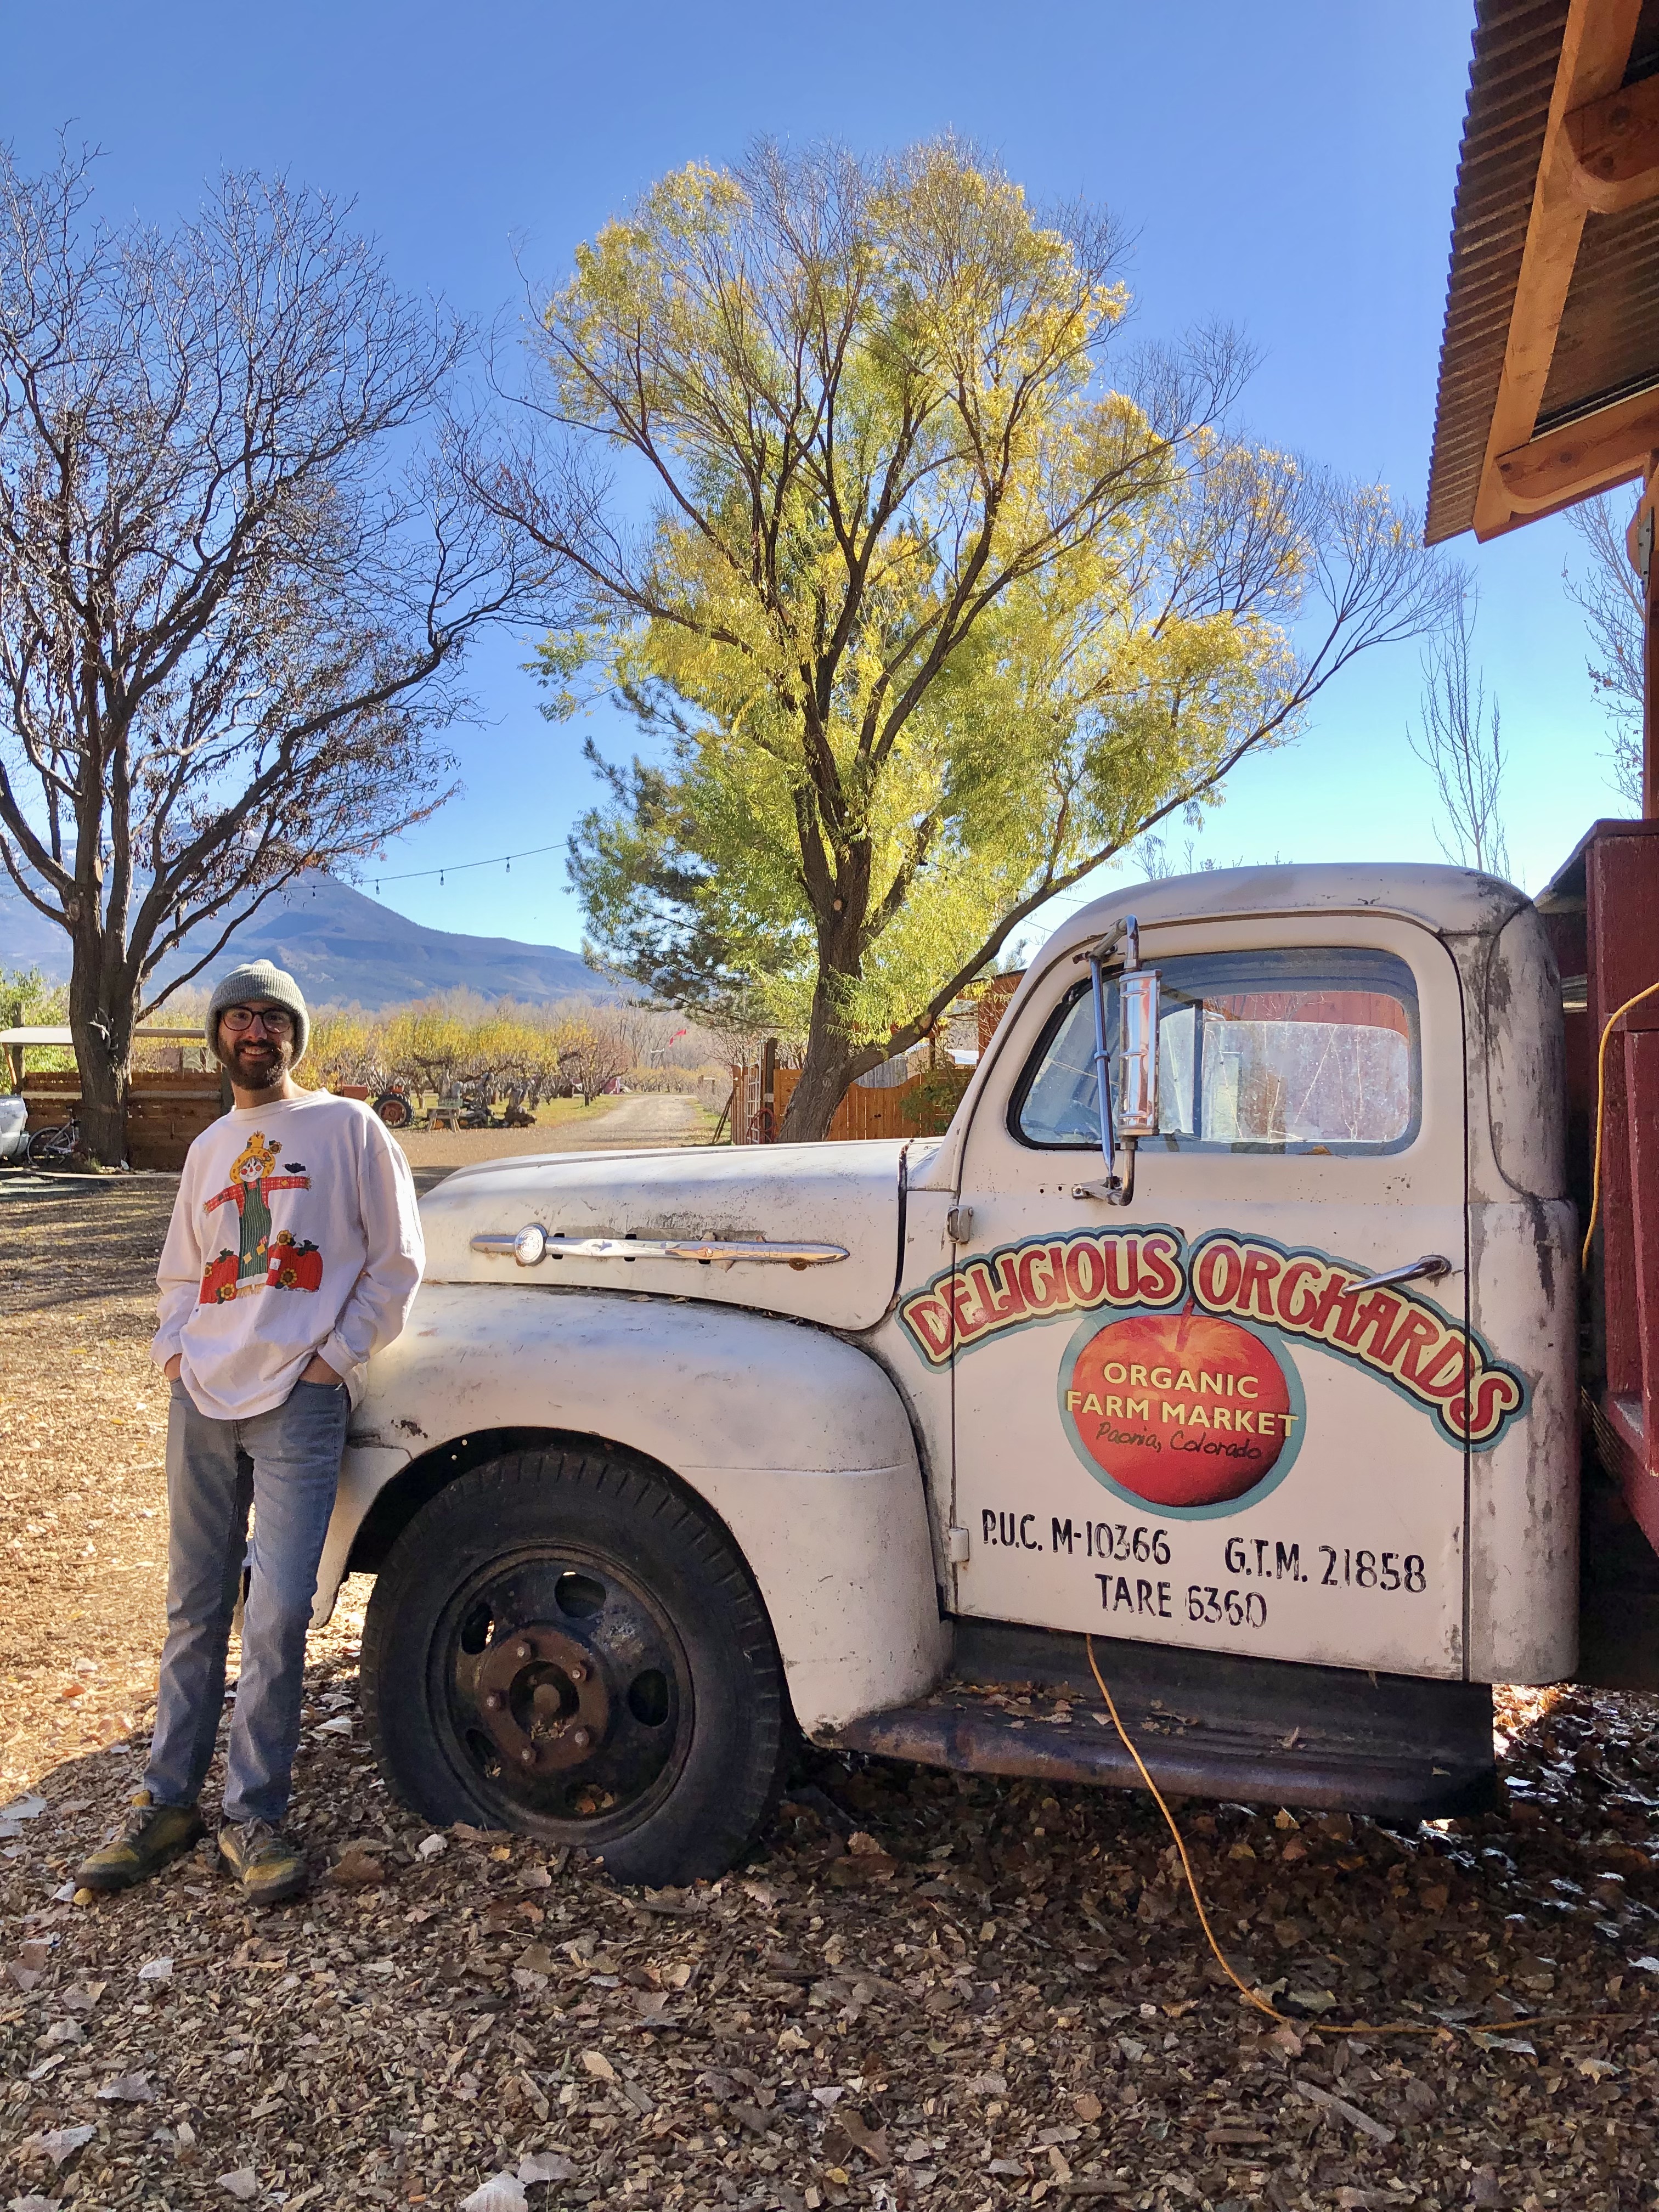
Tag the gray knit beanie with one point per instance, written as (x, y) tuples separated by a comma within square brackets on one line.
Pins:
[(260, 980)]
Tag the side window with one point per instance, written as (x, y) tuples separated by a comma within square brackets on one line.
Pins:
[(1288, 1051)]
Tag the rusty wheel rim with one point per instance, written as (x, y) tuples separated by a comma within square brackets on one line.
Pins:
[(563, 1691)]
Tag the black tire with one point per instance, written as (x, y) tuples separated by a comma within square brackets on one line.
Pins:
[(600, 1604), (394, 1110), (47, 1144)]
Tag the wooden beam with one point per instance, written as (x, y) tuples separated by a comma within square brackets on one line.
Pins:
[(1605, 448), (1615, 148), (1594, 53)]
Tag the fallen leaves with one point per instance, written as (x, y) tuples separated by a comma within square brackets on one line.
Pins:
[(1351, 2114), (27, 1968), (57, 2143), (503, 2192), (127, 2089), (357, 1868), (858, 2135), (546, 2165)]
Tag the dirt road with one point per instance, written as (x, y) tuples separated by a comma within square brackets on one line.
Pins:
[(652, 1117)]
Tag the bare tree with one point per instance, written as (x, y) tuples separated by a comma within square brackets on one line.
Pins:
[(1610, 594), (1460, 743), (598, 1052), (233, 593)]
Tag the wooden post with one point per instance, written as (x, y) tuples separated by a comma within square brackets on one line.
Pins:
[(768, 1090), (1648, 568), (1621, 888), (1641, 1057)]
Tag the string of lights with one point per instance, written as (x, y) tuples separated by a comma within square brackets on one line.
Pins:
[(460, 867)]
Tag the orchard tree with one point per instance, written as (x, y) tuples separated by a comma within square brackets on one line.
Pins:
[(940, 601), (1459, 740), (233, 590)]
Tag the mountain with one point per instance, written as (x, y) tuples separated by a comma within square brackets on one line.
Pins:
[(342, 948)]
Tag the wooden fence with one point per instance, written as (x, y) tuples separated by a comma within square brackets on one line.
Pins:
[(865, 1111), (898, 1109), (166, 1109)]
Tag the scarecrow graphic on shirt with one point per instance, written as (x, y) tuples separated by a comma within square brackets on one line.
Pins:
[(261, 1261)]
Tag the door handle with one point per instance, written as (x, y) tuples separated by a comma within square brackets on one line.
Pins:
[(1431, 1266)]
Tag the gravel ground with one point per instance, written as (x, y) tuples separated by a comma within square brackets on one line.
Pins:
[(923, 1991)]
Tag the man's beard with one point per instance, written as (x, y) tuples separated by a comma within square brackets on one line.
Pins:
[(260, 1074)]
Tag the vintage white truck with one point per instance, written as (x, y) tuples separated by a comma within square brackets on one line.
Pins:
[(1274, 1394)]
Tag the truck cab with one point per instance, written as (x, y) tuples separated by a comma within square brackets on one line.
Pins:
[(1253, 1395)]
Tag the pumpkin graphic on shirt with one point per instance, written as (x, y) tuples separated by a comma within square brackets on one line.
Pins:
[(295, 1264), (219, 1280)]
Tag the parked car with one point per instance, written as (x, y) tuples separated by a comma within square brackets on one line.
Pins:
[(14, 1131)]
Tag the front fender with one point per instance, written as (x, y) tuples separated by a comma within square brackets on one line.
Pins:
[(795, 1438)]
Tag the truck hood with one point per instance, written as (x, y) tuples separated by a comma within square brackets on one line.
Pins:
[(849, 1197)]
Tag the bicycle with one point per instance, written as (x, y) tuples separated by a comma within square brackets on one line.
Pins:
[(47, 1146)]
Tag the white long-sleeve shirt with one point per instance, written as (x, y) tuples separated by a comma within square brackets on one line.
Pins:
[(295, 1235)]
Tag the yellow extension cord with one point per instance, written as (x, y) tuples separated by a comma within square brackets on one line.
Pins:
[(1255, 1996), (1600, 1102)]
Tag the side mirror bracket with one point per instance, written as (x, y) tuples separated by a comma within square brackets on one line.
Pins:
[(1136, 1115)]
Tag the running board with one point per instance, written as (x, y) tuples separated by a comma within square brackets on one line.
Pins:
[(1022, 1701)]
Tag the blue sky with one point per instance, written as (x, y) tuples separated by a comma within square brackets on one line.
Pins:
[(1288, 168)]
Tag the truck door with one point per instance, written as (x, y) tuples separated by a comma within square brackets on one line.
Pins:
[(1185, 1419)]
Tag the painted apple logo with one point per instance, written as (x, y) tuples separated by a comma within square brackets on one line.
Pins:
[(1186, 1411)]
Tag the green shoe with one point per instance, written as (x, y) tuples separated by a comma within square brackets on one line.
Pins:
[(270, 1869), (150, 1835)]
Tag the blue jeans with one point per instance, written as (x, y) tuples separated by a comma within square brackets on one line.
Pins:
[(286, 1464)]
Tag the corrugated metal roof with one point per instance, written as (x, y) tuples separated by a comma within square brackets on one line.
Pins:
[(1607, 344), (1511, 76)]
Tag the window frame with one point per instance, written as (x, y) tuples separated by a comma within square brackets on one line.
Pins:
[(1172, 1142)]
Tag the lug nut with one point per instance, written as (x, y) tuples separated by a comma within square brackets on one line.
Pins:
[(579, 1674), (522, 1651), (527, 1756), (581, 1738), (495, 1701)]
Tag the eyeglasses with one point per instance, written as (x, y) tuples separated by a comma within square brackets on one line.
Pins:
[(239, 1019)]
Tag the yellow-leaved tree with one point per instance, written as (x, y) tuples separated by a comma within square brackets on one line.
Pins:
[(941, 598)]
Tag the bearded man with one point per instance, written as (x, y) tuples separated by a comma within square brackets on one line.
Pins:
[(293, 1253)]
